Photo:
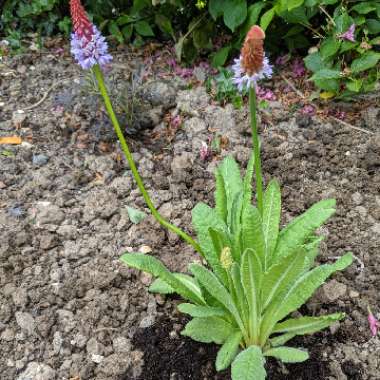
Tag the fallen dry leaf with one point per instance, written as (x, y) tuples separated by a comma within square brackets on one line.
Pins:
[(11, 140)]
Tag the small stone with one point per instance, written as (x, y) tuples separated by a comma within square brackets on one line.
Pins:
[(353, 294), (40, 160), (37, 371), (147, 321), (121, 345), (146, 278), (18, 118), (357, 198), (333, 290), (376, 228), (97, 358), (26, 322), (7, 335), (48, 213), (145, 249)]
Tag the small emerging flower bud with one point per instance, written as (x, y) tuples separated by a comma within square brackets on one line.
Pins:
[(226, 258), (374, 324)]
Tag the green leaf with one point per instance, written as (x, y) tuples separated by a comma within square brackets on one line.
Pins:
[(251, 279), (211, 283), (288, 354), (314, 62), (124, 19), (294, 4), (365, 62), (307, 325), (216, 8), (332, 85), (156, 268), (249, 365), (201, 311), (364, 8), (271, 217), (267, 18), (254, 11), (115, 31), (144, 29), (326, 74), (280, 340), (228, 351), (299, 293), (373, 26), (233, 183), (204, 218), (127, 31), (178, 47), (220, 57), (330, 47), (252, 232), (238, 291), (164, 24), (135, 216), (161, 287), (295, 234), (355, 85), (281, 276), (235, 13), (208, 330)]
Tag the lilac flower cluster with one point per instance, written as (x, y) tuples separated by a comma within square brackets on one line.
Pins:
[(89, 52), (243, 80)]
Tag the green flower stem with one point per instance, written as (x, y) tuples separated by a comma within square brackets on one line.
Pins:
[(124, 146), (256, 148)]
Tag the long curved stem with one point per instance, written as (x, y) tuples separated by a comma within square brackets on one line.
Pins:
[(124, 146), (256, 148)]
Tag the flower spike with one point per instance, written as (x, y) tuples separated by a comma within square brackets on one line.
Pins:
[(252, 64), (88, 46)]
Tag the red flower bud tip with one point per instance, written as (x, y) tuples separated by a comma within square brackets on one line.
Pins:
[(81, 24), (252, 52)]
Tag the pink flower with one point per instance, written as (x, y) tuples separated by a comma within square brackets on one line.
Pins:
[(282, 59), (265, 94), (176, 121), (374, 324), (349, 35), (205, 151), (298, 68), (308, 110)]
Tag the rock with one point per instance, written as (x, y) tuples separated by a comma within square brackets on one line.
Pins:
[(37, 371), (93, 347), (7, 335), (48, 241), (115, 365), (194, 126), (371, 117), (376, 228), (67, 231), (121, 345), (190, 101), (181, 165), (357, 198), (158, 93), (97, 358), (99, 164), (40, 159), (48, 213), (333, 290), (18, 118), (26, 322), (66, 320), (20, 297)]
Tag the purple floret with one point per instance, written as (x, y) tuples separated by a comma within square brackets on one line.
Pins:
[(89, 53)]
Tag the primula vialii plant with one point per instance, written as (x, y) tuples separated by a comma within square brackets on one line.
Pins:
[(254, 274)]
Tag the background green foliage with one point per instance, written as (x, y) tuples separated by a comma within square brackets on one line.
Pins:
[(313, 26)]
